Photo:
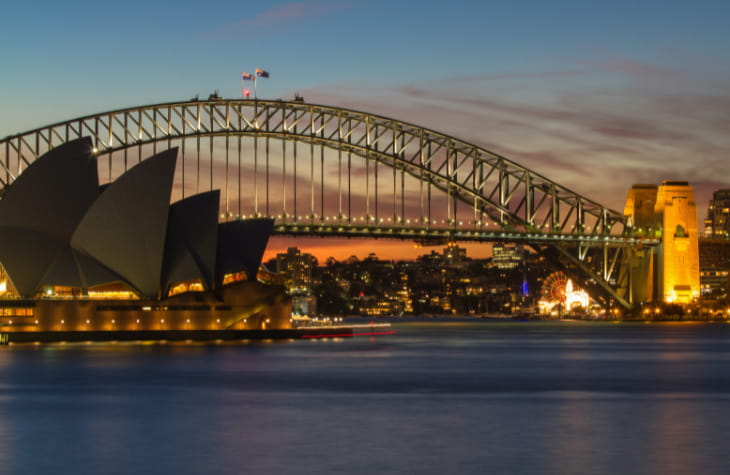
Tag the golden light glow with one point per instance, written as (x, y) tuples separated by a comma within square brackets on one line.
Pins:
[(188, 286)]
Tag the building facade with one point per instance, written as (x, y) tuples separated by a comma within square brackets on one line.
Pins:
[(717, 222)]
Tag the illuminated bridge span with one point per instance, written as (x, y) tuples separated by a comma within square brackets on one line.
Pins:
[(321, 170)]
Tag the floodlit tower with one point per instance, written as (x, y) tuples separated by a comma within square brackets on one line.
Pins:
[(678, 259), (639, 210)]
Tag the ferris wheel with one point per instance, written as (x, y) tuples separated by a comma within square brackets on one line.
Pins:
[(553, 287)]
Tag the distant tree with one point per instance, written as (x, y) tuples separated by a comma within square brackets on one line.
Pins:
[(331, 299)]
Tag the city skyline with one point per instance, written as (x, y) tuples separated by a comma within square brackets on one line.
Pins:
[(596, 97)]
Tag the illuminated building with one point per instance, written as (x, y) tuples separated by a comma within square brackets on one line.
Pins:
[(714, 268), (79, 257), (507, 256), (454, 254), (678, 262), (296, 267), (715, 248), (717, 223)]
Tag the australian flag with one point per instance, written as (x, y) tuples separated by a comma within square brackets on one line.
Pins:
[(247, 77)]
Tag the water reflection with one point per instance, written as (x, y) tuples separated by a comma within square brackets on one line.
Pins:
[(454, 398)]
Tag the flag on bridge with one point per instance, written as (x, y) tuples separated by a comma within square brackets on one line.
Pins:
[(261, 73), (247, 77)]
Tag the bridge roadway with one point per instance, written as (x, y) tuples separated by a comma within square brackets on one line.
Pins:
[(454, 234)]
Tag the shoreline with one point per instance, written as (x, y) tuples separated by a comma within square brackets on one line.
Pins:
[(345, 331)]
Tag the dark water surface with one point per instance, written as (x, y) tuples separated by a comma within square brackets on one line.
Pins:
[(441, 398)]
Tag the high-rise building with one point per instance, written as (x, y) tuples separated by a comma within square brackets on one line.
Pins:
[(296, 267), (714, 268), (453, 254), (507, 255), (717, 222)]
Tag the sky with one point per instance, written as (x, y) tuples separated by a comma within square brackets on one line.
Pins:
[(594, 95)]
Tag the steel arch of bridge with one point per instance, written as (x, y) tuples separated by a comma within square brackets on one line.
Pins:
[(524, 205)]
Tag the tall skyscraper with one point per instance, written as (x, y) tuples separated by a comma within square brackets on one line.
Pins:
[(717, 223)]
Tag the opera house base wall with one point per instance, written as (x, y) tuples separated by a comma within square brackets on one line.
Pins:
[(239, 310), (171, 335)]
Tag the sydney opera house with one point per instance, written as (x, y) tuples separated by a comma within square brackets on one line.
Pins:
[(80, 260)]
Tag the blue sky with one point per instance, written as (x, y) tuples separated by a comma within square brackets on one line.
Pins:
[(597, 95)]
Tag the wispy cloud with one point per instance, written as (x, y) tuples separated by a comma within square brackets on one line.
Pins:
[(519, 75), (633, 67), (288, 12), (278, 15)]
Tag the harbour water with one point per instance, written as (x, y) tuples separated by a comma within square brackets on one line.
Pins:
[(459, 397)]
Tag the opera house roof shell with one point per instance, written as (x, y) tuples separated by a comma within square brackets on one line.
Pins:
[(58, 227)]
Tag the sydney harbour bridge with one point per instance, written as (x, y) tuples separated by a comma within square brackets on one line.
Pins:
[(328, 171)]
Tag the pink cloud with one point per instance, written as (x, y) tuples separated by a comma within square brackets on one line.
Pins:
[(282, 14), (633, 67), (288, 12), (518, 75)]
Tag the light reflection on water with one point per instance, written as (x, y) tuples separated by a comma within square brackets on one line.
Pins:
[(434, 398)]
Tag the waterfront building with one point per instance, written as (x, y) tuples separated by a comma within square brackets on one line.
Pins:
[(714, 268), (508, 255), (717, 222), (297, 269)]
